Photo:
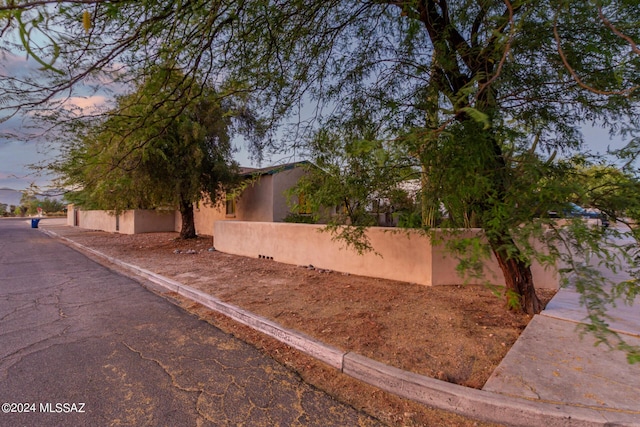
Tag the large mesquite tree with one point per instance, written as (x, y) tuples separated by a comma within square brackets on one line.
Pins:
[(508, 92), (478, 91)]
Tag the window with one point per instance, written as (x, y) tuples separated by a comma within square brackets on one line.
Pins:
[(231, 208), (304, 206)]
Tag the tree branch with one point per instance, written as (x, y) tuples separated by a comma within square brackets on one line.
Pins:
[(614, 29), (625, 92)]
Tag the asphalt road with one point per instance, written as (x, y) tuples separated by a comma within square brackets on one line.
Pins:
[(82, 345)]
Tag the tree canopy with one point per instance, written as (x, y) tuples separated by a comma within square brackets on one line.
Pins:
[(145, 155), (354, 177)]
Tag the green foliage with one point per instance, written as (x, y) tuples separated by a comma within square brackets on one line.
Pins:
[(354, 179), (33, 27), (471, 253), (409, 219), (299, 218), (30, 204), (611, 190), (148, 155), (51, 205)]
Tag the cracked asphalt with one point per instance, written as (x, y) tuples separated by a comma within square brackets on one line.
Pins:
[(75, 336)]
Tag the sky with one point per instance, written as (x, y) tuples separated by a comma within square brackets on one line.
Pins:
[(21, 146), (18, 149), (16, 154)]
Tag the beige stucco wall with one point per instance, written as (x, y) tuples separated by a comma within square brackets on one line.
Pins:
[(256, 201), (128, 222), (264, 200), (97, 220), (152, 221), (70, 215), (400, 255), (204, 216), (282, 182), (444, 265), (304, 244)]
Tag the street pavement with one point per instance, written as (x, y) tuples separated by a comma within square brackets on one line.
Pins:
[(82, 345)]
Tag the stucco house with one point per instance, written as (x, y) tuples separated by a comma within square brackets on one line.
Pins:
[(262, 197)]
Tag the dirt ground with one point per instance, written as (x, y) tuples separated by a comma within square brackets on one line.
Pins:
[(454, 333)]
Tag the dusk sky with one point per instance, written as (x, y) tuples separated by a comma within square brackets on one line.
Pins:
[(15, 156), (17, 153), (20, 145)]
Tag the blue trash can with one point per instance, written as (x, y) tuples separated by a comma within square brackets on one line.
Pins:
[(34, 222)]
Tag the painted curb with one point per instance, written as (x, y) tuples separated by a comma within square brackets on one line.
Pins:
[(478, 404)]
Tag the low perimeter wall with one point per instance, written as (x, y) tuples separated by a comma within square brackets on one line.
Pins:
[(128, 222), (406, 256), (93, 220)]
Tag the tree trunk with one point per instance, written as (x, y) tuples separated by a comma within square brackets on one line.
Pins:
[(520, 292), (188, 230), (429, 205)]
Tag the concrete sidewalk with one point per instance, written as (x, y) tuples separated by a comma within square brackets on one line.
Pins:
[(552, 362), (551, 377)]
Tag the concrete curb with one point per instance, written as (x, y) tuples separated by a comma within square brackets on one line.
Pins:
[(479, 404)]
